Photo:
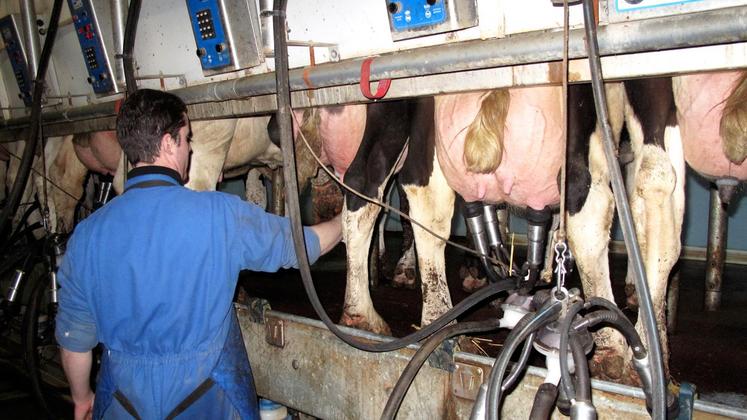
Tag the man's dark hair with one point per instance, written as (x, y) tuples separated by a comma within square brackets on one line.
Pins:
[(143, 120)]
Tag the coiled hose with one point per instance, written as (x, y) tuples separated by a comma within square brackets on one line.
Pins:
[(416, 362)]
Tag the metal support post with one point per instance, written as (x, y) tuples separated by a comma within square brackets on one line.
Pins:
[(717, 224)]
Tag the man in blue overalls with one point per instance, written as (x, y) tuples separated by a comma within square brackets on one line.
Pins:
[(152, 274)]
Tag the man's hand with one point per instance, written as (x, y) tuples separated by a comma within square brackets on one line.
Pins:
[(329, 233), (78, 371), (84, 407)]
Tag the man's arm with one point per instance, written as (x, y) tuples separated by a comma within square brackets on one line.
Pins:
[(329, 233), (78, 371)]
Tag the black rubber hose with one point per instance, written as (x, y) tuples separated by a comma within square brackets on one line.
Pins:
[(418, 359), (24, 169), (621, 324), (292, 205), (544, 402), (626, 220), (128, 45), (515, 373), (534, 321), (489, 271), (581, 365), (604, 303), (565, 326), (30, 325)]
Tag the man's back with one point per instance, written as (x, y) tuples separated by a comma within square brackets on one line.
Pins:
[(153, 273)]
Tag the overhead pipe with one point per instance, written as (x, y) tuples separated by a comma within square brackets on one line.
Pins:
[(119, 19), (31, 34), (681, 31), (714, 27)]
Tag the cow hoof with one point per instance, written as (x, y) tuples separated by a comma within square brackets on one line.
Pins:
[(404, 278), (608, 365), (632, 297), (360, 322), (471, 281)]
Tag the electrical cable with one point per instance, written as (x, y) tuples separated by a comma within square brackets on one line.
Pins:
[(418, 359), (534, 321), (626, 222), (47, 179), (24, 169)]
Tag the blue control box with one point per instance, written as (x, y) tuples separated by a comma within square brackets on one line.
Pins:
[(410, 14), (14, 48), (92, 46), (213, 47)]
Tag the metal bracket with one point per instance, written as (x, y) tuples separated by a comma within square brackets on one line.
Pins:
[(275, 332), (181, 78), (443, 357), (69, 98), (686, 400), (257, 307), (466, 381), (333, 50)]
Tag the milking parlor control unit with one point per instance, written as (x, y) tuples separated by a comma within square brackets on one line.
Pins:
[(220, 57)]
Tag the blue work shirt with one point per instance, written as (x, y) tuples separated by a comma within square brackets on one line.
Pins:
[(152, 275)]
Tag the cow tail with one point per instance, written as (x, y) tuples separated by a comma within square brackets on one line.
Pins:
[(306, 165), (733, 128), (483, 146)]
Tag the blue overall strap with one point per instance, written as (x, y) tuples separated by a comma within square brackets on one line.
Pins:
[(231, 373), (191, 398), (126, 404)]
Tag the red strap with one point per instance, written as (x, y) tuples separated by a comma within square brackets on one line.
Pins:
[(366, 84), (118, 105), (307, 77)]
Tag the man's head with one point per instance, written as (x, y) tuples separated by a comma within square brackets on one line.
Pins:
[(153, 125)]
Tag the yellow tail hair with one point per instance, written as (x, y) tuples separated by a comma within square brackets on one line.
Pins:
[(733, 127), (306, 165), (483, 147)]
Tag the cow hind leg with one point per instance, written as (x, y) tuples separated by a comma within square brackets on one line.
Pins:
[(383, 142), (590, 206), (658, 204), (405, 273), (657, 193), (433, 205), (358, 310)]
